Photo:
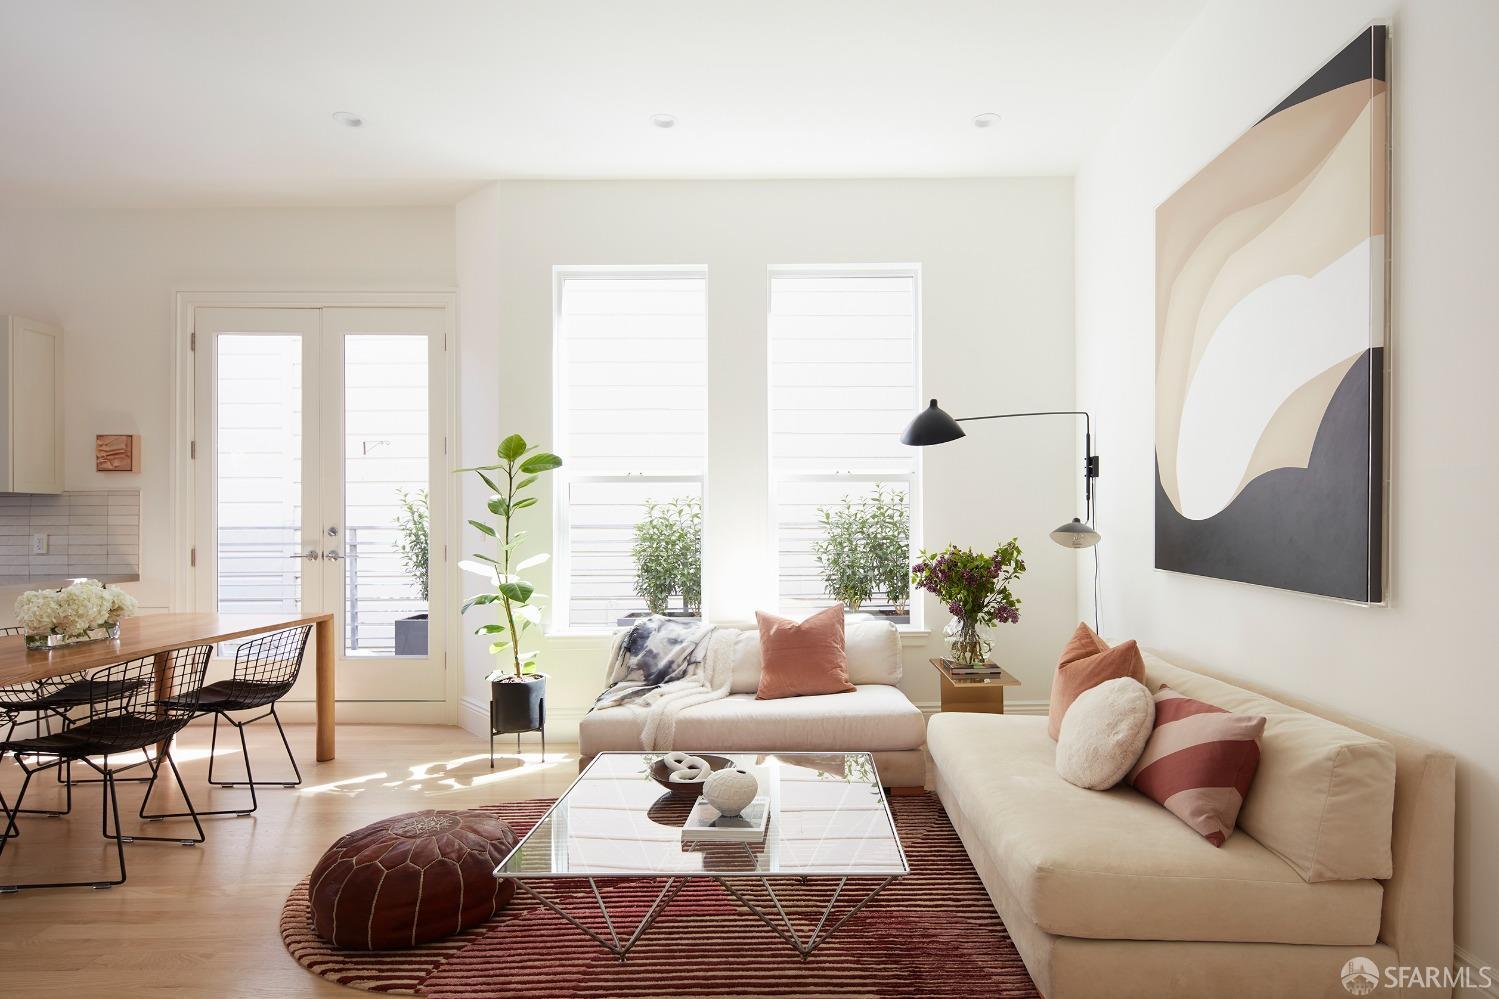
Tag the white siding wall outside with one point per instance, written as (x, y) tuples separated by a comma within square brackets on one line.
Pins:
[(843, 383), (631, 427), (259, 400), (385, 453)]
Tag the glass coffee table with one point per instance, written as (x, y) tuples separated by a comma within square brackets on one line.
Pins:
[(828, 821)]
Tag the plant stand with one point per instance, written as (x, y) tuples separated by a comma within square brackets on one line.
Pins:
[(515, 708)]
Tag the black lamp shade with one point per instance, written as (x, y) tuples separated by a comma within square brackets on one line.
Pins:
[(931, 426)]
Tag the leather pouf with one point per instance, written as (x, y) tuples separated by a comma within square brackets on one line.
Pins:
[(411, 878)]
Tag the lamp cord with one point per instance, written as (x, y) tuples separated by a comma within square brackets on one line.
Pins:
[(1097, 569)]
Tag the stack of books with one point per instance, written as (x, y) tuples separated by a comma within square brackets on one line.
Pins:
[(969, 670), (706, 825)]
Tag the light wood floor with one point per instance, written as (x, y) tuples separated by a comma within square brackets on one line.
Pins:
[(201, 921)]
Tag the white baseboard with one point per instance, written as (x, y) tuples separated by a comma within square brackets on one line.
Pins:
[(473, 716), (562, 725), (930, 708), (1470, 968), (371, 712)]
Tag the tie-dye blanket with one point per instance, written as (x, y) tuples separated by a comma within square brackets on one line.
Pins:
[(664, 665)]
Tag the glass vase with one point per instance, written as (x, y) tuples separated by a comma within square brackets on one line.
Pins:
[(51, 640), (966, 642)]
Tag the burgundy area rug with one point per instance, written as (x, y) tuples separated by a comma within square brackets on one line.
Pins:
[(933, 933)]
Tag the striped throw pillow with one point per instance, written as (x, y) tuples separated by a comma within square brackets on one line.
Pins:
[(1199, 763)]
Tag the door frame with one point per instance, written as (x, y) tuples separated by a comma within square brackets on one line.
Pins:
[(183, 489)]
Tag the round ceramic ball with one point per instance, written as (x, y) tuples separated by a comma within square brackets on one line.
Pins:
[(731, 790)]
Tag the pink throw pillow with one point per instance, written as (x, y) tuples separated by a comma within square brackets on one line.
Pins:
[(1199, 763), (1086, 662), (802, 657)]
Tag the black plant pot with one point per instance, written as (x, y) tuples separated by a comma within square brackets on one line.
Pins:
[(517, 706)]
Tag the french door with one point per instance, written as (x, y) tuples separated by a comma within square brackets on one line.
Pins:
[(319, 454)]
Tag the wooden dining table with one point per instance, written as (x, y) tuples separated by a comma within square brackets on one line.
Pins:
[(157, 635)]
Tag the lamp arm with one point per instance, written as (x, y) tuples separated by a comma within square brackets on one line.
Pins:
[(1090, 460), (1087, 419)]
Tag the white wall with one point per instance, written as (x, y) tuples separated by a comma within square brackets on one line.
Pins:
[(996, 259), (1421, 664), (108, 277)]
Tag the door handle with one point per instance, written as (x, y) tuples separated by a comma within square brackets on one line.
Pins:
[(311, 553), (332, 555)]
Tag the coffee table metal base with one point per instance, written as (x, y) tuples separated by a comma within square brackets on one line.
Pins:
[(619, 949), (821, 932), (669, 891)]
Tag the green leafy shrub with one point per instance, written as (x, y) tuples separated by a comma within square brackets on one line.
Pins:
[(866, 549), (668, 553), (412, 535)]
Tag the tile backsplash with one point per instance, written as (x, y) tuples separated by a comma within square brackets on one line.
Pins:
[(95, 533)]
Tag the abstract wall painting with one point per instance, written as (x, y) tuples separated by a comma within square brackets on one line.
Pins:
[(1271, 275), (117, 453)]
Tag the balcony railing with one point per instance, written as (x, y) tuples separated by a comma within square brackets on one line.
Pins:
[(258, 575)]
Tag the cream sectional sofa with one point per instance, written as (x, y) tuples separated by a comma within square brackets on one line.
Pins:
[(877, 717), (1344, 849)]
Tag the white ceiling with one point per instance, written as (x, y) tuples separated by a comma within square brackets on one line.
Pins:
[(229, 101)]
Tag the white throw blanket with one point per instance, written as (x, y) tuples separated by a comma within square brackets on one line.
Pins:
[(664, 666)]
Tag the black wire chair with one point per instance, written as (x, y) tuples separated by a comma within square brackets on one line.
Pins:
[(49, 703), (135, 708), (28, 698), (264, 671)]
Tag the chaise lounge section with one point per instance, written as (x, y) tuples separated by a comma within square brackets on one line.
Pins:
[(1344, 849)]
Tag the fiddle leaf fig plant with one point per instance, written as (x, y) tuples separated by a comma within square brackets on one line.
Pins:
[(520, 466)]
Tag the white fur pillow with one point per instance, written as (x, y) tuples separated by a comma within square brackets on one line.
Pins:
[(1104, 732)]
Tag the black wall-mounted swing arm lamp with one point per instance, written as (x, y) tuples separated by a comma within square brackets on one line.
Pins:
[(934, 426)]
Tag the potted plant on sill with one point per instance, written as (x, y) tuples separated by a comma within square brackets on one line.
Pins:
[(668, 554), (517, 690), (865, 551), (412, 533)]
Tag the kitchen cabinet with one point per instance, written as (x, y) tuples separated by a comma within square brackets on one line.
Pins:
[(32, 410)]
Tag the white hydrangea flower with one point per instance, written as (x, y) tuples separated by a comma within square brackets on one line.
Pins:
[(122, 604), (82, 607), (36, 611), (76, 609)]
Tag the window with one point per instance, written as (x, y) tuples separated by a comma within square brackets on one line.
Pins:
[(843, 383), (632, 425)]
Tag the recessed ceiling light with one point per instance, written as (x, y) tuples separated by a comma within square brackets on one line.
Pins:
[(985, 120), (664, 120), (348, 118)]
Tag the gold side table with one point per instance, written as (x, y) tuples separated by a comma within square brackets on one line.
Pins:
[(984, 694)]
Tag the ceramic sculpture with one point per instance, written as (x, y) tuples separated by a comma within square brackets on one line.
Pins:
[(731, 790)]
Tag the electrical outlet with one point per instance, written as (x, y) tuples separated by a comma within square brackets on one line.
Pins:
[(38, 544)]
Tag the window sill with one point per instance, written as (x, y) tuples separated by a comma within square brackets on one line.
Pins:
[(908, 634), (578, 637)]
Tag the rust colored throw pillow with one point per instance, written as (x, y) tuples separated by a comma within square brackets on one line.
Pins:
[(1199, 763), (1086, 662), (802, 657)]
